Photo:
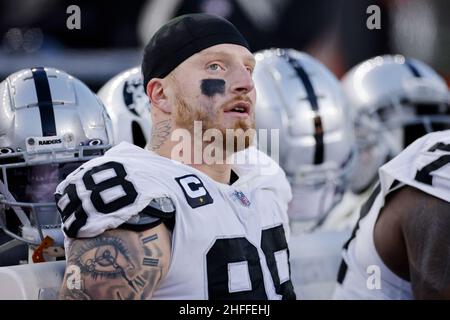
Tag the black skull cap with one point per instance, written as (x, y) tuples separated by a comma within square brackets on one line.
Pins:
[(182, 37)]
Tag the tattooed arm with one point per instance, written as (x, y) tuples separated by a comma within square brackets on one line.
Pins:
[(426, 229), (118, 264)]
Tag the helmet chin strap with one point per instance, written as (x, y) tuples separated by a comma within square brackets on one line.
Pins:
[(18, 210), (52, 239)]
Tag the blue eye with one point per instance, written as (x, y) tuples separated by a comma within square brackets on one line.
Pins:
[(214, 67)]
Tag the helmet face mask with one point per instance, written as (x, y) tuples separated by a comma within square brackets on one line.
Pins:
[(328, 172), (27, 188), (313, 203), (318, 189), (299, 96), (32, 162)]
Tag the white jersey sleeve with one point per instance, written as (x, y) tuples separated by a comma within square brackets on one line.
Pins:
[(107, 191), (425, 165)]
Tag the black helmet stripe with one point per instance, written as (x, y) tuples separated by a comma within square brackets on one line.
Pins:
[(413, 68), (44, 101), (312, 98)]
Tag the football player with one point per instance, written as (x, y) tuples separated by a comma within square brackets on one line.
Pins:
[(51, 123), (161, 223), (400, 247), (128, 106), (395, 100)]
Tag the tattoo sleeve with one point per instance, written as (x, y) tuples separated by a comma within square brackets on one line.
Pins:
[(118, 264), (427, 236)]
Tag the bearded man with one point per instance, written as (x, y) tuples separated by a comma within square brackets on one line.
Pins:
[(159, 223)]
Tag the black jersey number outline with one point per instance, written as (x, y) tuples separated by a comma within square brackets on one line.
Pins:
[(424, 175), (74, 208), (238, 250)]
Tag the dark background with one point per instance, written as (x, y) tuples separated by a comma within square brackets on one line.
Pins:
[(113, 33)]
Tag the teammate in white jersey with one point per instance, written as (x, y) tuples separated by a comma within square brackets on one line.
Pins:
[(400, 247), (140, 224)]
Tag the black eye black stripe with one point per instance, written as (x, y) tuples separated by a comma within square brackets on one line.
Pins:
[(312, 98), (44, 101)]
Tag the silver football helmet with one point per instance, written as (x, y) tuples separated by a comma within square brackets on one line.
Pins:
[(299, 96), (394, 101), (50, 123), (128, 106)]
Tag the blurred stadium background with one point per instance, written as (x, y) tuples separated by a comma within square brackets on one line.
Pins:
[(112, 34)]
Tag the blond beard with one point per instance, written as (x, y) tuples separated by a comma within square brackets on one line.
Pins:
[(185, 115)]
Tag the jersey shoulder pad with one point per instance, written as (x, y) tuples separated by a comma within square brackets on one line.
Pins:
[(425, 165), (160, 210), (106, 192)]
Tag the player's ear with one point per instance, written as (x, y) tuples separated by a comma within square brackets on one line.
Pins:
[(158, 98)]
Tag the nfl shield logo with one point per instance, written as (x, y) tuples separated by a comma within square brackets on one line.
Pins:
[(242, 198)]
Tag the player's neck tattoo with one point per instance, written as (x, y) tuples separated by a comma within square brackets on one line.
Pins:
[(160, 134), (211, 87)]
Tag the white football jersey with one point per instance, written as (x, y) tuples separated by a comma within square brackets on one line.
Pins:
[(424, 165), (228, 242)]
